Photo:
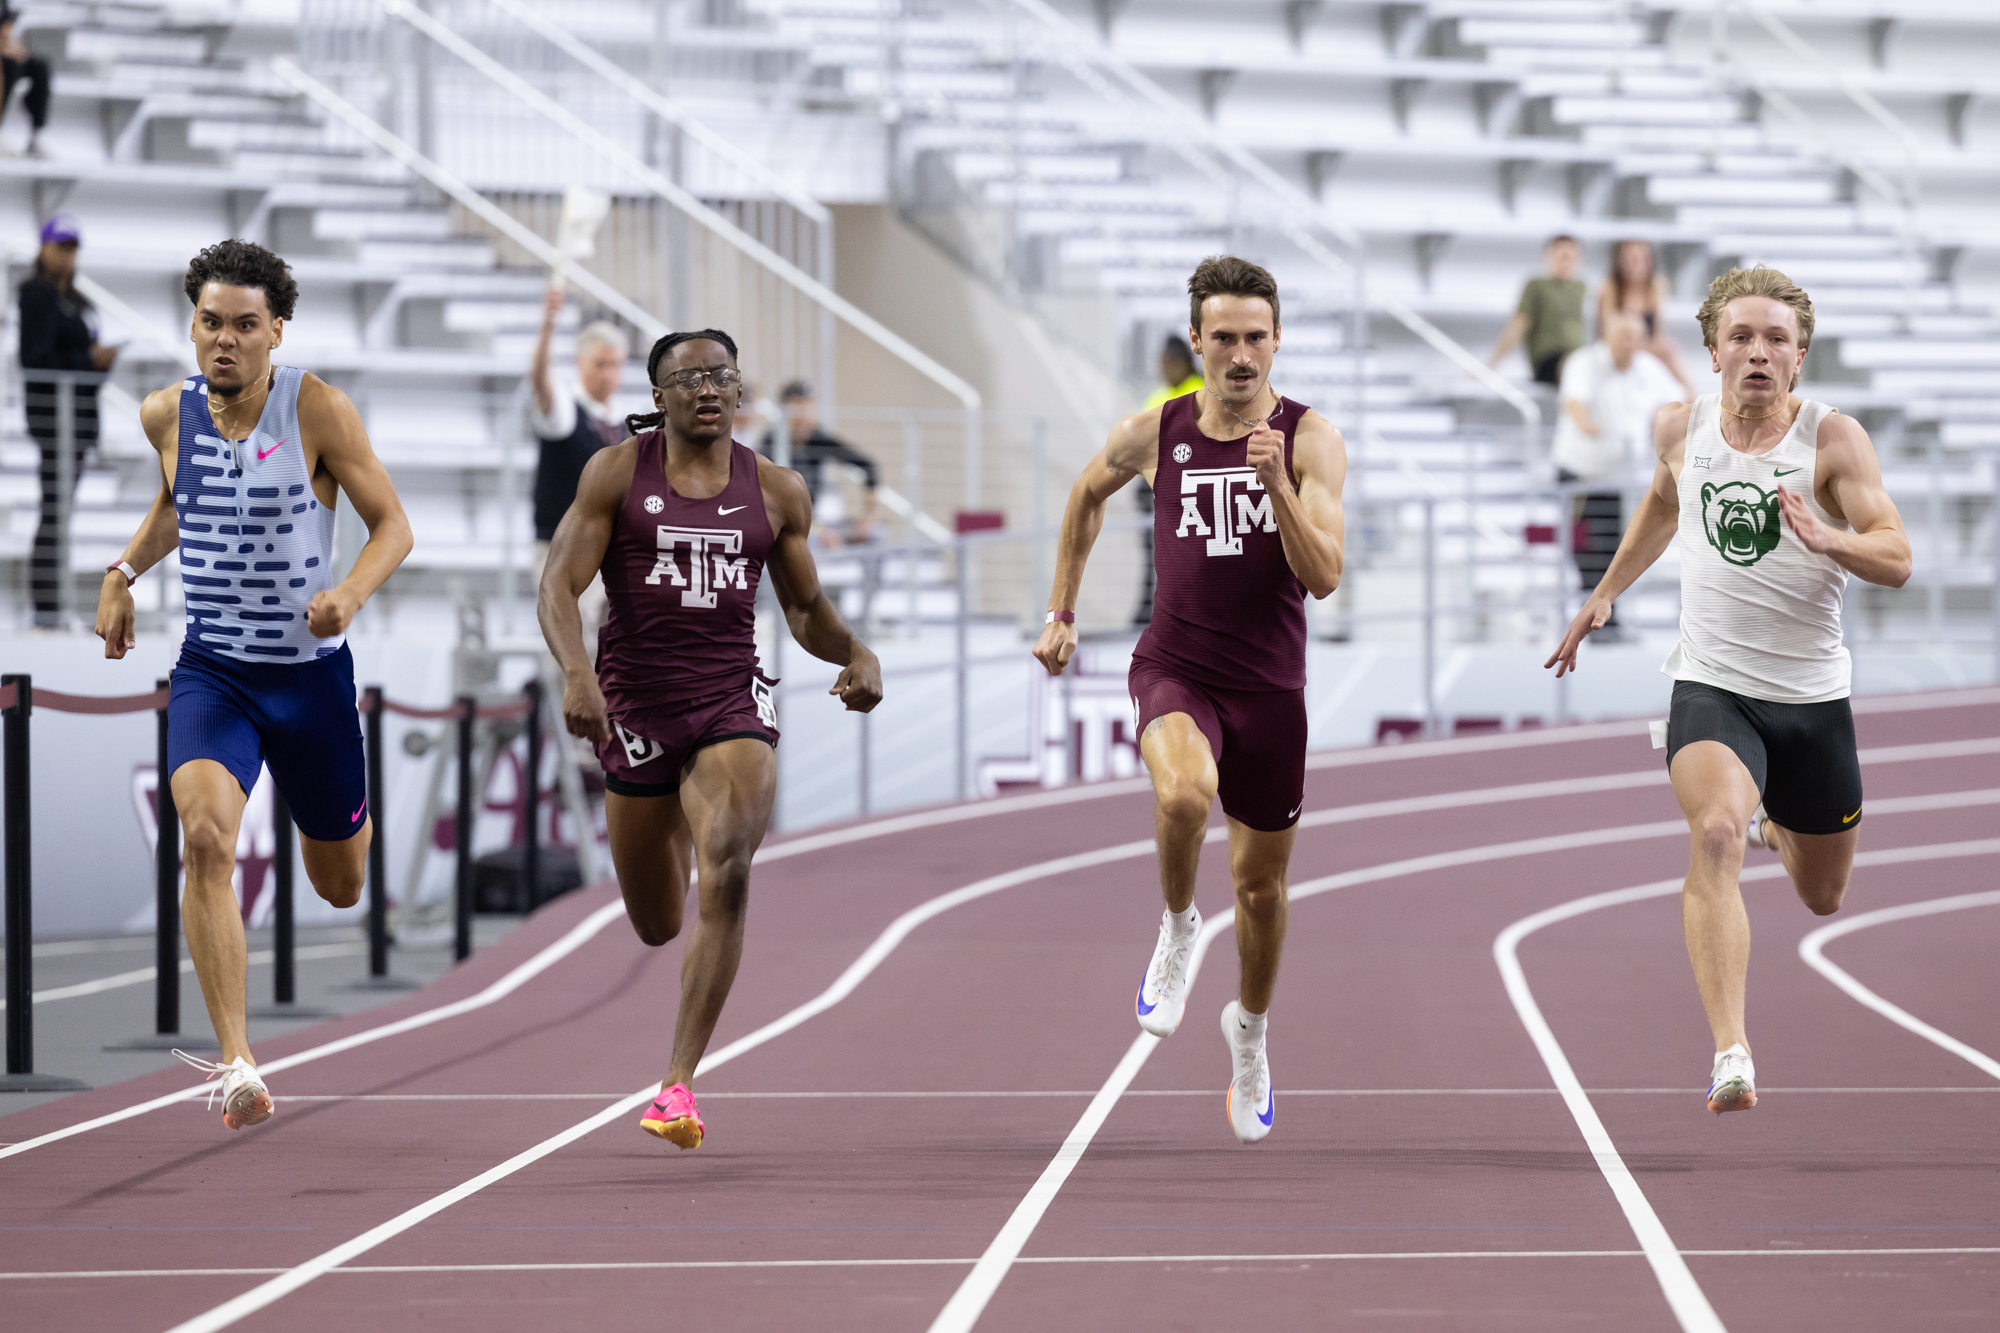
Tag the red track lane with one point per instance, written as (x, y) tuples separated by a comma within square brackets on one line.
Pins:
[(1386, 986)]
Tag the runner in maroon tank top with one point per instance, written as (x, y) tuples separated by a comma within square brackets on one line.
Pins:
[(682, 521), (1246, 522)]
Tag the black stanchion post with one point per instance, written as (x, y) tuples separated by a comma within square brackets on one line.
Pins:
[(20, 914), (461, 906), (167, 887), (531, 849), (378, 886), (284, 982)]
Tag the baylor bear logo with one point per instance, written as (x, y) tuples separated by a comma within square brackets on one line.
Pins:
[(1741, 520)]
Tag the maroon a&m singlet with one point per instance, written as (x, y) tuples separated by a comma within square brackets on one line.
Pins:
[(681, 578), (1229, 613)]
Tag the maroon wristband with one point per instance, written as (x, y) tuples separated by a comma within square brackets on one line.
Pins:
[(1066, 617)]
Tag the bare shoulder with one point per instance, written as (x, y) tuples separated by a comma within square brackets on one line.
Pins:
[(784, 490), (1318, 447), (1670, 428), (1839, 431), (1134, 445), (321, 403), (160, 414)]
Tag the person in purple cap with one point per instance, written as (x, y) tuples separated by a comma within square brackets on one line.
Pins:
[(58, 332)]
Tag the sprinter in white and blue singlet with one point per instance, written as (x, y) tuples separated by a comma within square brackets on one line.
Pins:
[(1776, 500), (253, 458)]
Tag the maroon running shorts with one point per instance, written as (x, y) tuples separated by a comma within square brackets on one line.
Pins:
[(650, 748), (1258, 738)]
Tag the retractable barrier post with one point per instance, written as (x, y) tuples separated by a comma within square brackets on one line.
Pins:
[(531, 848), (461, 905), (167, 890), (378, 886), (284, 982), (20, 915)]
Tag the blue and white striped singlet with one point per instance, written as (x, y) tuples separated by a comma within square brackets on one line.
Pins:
[(256, 544)]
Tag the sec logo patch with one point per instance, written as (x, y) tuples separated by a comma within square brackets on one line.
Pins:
[(654, 504), (1182, 453)]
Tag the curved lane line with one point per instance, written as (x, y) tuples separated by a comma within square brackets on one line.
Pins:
[(967, 1303), (1810, 949), (1683, 1293)]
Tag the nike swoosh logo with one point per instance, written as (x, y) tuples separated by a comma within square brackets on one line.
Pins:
[(1145, 1008), (732, 509), (1851, 818), (263, 454), (1270, 1108), (355, 818), (1295, 810), (1784, 472)]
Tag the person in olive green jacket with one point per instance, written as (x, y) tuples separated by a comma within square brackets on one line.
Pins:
[(1549, 318)]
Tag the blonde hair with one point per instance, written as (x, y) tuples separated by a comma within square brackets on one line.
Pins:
[(602, 333), (1758, 281)]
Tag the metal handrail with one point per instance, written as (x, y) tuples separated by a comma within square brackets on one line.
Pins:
[(1073, 44), (720, 227), (361, 123)]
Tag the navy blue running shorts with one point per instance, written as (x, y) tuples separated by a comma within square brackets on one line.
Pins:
[(298, 717)]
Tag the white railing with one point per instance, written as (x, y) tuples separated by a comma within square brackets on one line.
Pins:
[(659, 185), (1174, 125)]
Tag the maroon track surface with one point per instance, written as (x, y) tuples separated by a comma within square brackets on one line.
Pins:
[(1422, 1172)]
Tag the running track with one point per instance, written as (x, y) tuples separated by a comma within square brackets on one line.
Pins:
[(929, 1105)]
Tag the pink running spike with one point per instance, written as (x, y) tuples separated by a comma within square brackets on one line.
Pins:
[(673, 1117)]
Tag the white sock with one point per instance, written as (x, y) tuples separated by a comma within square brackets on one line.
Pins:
[(1737, 1049), (1250, 1026), (1185, 921)]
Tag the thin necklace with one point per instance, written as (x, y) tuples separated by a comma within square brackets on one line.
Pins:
[(216, 417), (1253, 425), (1767, 416)]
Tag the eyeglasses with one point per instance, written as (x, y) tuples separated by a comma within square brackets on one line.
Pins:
[(688, 381)]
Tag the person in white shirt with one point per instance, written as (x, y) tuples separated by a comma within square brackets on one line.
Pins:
[(571, 419), (1611, 391)]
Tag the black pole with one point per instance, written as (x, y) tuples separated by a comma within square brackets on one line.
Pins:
[(378, 887), (284, 982), (167, 885), (20, 912), (531, 850), (461, 906)]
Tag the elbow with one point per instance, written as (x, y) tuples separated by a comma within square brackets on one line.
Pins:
[(1900, 574), (1323, 588)]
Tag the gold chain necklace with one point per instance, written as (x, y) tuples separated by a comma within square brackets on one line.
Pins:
[(216, 417), (1253, 425)]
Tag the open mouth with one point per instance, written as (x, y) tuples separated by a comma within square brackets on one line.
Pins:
[(708, 412)]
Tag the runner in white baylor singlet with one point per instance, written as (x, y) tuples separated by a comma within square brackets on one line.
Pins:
[(1776, 501)]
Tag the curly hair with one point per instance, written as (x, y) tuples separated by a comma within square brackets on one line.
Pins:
[(235, 263), (638, 422)]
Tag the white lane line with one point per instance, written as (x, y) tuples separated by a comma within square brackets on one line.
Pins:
[(979, 1286), (291, 1280), (652, 1265), (1684, 1295), (977, 1094), (500, 989), (962, 1310), (140, 975), (1812, 946)]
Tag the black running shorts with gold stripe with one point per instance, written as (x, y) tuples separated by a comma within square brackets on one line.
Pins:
[(1801, 755)]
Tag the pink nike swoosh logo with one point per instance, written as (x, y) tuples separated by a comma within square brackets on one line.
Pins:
[(263, 454), (355, 818)]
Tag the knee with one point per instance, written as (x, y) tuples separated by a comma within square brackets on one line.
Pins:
[(1823, 897), (725, 884), (1719, 835), (658, 930), (210, 846), (340, 888), (1260, 898), (1181, 801)]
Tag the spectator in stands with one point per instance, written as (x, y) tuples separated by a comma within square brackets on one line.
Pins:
[(1179, 377), (1635, 287), (58, 332), (571, 419), (15, 65), (1611, 391), (1549, 318), (812, 449)]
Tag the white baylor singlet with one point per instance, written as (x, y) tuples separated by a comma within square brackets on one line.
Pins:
[(1760, 614)]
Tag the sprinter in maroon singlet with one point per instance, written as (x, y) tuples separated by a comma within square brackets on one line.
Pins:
[(682, 521), (1246, 522)]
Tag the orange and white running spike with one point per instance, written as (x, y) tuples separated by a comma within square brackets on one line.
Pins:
[(245, 1099), (1732, 1086)]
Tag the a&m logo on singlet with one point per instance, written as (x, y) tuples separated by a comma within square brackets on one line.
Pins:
[(1223, 487), (1740, 519), (708, 568)]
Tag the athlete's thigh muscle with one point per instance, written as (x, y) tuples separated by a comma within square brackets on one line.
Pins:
[(1708, 777), (727, 792), (1178, 755), (649, 852), (1257, 857), (209, 800)]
